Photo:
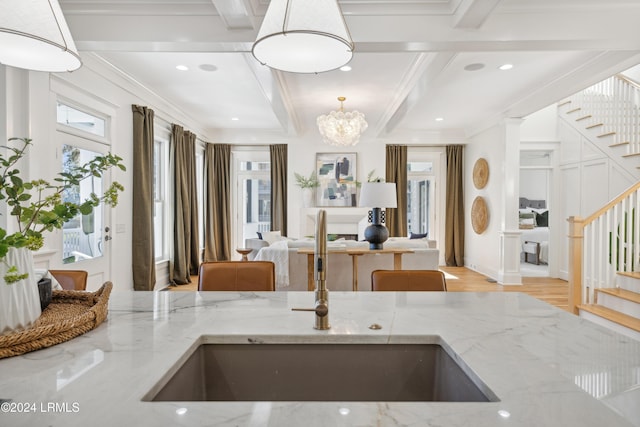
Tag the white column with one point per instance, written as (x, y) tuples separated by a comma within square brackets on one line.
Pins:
[(509, 272), (14, 113)]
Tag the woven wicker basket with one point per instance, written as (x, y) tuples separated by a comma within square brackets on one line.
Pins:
[(71, 313)]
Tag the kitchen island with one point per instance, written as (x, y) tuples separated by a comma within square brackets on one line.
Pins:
[(545, 367)]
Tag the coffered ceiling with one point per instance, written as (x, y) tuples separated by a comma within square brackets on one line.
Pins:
[(408, 69)]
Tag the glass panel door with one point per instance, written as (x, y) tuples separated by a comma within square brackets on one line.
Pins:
[(256, 206), (252, 195), (418, 205), (420, 197), (82, 237), (85, 241)]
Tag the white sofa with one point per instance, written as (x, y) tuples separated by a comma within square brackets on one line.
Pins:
[(291, 266)]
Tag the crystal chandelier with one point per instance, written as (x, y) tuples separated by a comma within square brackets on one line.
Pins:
[(340, 128)]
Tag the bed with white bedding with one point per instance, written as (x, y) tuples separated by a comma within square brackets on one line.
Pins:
[(534, 226)]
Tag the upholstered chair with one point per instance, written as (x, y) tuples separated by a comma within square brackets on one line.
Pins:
[(71, 279), (237, 276), (408, 280)]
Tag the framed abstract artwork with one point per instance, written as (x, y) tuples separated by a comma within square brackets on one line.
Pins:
[(336, 174)]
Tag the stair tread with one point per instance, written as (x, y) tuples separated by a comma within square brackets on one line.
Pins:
[(619, 144), (595, 125), (606, 134), (574, 110), (588, 116), (621, 293), (612, 315), (631, 155)]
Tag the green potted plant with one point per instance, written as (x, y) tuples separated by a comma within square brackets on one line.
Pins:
[(37, 207), (308, 184)]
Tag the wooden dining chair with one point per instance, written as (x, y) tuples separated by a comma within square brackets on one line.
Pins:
[(71, 279), (408, 280), (237, 276)]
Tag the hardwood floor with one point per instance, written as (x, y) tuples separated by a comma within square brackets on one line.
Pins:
[(552, 291), (461, 279)]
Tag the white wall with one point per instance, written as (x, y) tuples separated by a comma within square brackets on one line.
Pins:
[(541, 125), (534, 184), (482, 251)]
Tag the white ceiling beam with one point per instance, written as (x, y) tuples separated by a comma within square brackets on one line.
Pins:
[(404, 33), (392, 114), (421, 88), (276, 92), (234, 14), (471, 14)]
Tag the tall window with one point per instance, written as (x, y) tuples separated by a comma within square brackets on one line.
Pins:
[(252, 192), (160, 202), (419, 196), (200, 189)]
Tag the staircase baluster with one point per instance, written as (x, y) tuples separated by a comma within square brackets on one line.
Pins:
[(627, 96), (636, 223)]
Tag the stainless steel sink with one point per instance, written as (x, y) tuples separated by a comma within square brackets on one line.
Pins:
[(321, 372)]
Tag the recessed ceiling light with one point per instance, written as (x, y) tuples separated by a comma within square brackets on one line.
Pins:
[(345, 68), (439, 119), (182, 68), (235, 119), (207, 67), (505, 67), (474, 67)]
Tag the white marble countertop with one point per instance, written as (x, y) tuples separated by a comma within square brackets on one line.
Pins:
[(547, 367)]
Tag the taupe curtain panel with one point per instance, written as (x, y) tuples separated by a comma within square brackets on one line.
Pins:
[(217, 241), (279, 187), (143, 262), (396, 171), (186, 259), (454, 222)]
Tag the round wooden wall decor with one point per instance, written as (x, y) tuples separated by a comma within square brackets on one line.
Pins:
[(480, 173), (479, 215)]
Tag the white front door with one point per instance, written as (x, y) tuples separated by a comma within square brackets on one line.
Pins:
[(86, 239)]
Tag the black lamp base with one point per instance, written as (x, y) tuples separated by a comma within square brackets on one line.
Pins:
[(376, 234)]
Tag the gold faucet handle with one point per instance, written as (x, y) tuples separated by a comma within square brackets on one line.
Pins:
[(320, 309)]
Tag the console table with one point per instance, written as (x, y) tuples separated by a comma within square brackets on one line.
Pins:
[(354, 253)]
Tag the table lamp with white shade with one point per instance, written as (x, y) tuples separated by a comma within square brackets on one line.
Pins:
[(377, 195)]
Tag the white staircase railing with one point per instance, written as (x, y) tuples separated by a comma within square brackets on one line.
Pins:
[(603, 244), (613, 107)]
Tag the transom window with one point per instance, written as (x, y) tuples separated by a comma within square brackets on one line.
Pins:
[(70, 116)]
